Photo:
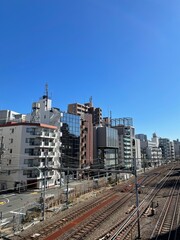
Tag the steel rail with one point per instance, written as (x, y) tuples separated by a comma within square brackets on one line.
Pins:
[(166, 219), (174, 224), (96, 219), (132, 220)]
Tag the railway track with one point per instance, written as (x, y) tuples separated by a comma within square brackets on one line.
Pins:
[(50, 228), (91, 221), (80, 221), (125, 229), (96, 219), (169, 221)]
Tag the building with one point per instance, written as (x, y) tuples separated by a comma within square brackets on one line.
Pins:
[(106, 146), (9, 116), (177, 148), (172, 150), (127, 144), (86, 140), (29, 148), (43, 112), (138, 154), (70, 139), (151, 153), (168, 152), (79, 109), (141, 137)]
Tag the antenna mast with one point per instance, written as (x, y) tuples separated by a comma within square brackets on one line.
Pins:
[(90, 101), (110, 118), (46, 86)]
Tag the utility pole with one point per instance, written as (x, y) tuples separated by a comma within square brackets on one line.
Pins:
[(67, 188), (44, 192), (137, 198), (116, 168)]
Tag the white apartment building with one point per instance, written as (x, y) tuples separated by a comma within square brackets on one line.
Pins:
[(150, 149), (138, 154), (9, 116), (43, 112), (129, 147), (168, 151), (29, 147)]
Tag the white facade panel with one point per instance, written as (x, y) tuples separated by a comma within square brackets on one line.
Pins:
[(24, 158)]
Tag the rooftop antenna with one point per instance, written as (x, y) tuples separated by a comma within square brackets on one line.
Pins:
[(46, 86), (90, 101), (110, 117)]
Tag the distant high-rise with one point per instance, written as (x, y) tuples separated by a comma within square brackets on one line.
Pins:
[(141, 137), (79, 109)]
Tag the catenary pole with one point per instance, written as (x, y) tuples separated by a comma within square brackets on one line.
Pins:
[(137, 198)]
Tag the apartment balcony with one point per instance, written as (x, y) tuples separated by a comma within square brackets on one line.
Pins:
[(127, 144), (31, 175), (49, 144), (31, 165), (45, 134), (127, 157), (127, 148), (126, 138), (34, 143), (41, 154), (43, 144)]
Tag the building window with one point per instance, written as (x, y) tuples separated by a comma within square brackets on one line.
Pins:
[(10, 150), (26, 161), (30, 130), (29, 150)]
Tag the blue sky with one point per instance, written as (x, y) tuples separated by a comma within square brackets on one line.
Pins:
[(123, 53)]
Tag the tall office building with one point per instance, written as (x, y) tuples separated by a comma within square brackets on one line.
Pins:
[(141, 137), (127, 144), (70, 139), (167, 149), (79, 109), (86, 149)]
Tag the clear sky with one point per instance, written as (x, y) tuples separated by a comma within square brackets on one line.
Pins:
[(123, 53)]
